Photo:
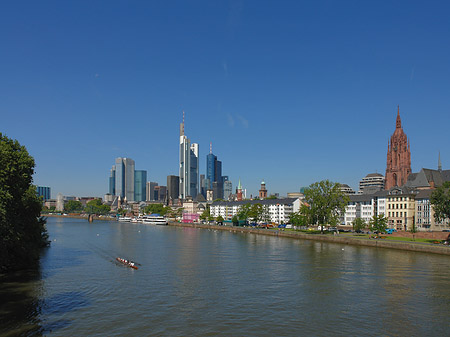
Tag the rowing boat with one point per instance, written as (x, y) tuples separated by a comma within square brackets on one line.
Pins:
[(127, 263)]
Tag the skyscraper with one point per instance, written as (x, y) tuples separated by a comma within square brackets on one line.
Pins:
[(173, 187), (227, 189), (44, 192), (124, 174), (188, 166), (140, 180), (150, 191), (398, 166), (214, 174), (112, 181)]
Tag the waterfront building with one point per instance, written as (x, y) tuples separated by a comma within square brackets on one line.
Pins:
[(400, 208), (263, 191), (359, 206), (371, 183), (150, 191), (424, 213), (189, 154), (160, 193), (398, 166), (276, 210), (44, 192), (140, 185), (124, 178), (173, 188)]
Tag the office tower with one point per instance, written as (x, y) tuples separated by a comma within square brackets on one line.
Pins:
[(150, 191), (160, 193), (44, 192), (173, 187), (112, 181), (188, 166), (227, 189), (124, 174), (214, 174), (398, 166), (140, 185), (202, 187)]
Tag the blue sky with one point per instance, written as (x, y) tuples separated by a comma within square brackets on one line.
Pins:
[(287, 91)]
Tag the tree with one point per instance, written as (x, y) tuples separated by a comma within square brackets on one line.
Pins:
[(235, 220), (378, 223), (96, 207), (298, 219), (325, 202), (413, 230), (359, 224), (440, 199), (22, 229), (156, 209), (73, 206), (205, 213), (220, 219)]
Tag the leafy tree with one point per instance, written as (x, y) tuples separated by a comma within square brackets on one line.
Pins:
[(298, 219), (272, 196), (220, 219), (22, 229), (440, 199), (235, 220), (325, 202), (378, 223), (358, 224), (121, 211), (156, 209), (96, 207), (73, 206), (205, 213), (413, 230)]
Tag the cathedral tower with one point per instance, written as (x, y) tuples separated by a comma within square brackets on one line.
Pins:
[(398, 165)]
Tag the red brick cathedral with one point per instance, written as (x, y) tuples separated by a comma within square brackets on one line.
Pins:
[(398, 165)]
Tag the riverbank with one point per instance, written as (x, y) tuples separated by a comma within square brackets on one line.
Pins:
[(74, 216), (342, 239)]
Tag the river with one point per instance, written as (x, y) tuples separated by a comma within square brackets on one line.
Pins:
[(206, 283)]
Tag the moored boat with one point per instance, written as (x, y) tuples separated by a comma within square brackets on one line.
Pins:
[(154, 219), (127, 263)]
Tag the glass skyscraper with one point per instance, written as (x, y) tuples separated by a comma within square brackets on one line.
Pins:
[(188, 166), (124, 178), (140, 180)]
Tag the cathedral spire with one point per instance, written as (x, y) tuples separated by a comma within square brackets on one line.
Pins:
[(399, 121)]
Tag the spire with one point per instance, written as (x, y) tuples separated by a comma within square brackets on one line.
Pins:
[(182, 126), (399, 121), (439, 162), (239, 185), (210, 148)]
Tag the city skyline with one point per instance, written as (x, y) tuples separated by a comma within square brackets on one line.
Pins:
[(292, 94)]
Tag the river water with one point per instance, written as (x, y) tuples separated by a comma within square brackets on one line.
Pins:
[(198, 282)]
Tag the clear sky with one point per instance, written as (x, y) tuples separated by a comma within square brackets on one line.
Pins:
[(291, 92)]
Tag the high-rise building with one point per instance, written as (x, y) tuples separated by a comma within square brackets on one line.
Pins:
[(44, 192), (188, 166), (173, 187), (160, 193), (371, 183), (150, 191), (398, 166), (227, 189), (214, 174), (140, 185), (112, 181), (124, 174)]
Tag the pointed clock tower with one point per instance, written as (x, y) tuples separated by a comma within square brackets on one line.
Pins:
[(398, 165)]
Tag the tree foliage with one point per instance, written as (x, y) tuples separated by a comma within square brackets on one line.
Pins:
[(359, 224), (22, 229), (325, 203), (255, 212), (73, 206), (378, 223), (440, 199), (220, 219), (96, 207), (298, 219), (156, 209)]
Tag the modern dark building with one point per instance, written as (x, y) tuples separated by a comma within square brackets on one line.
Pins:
[(173, 187), (44, 192), (150, 191), (214, 179), (140, 181)]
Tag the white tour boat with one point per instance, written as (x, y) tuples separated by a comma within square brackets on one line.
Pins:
[(154, 219)]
